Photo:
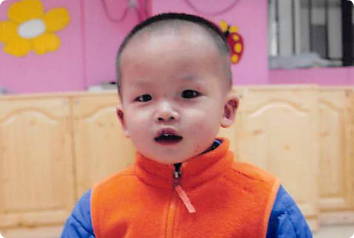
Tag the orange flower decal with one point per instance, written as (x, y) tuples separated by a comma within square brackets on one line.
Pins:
[(235, 41)]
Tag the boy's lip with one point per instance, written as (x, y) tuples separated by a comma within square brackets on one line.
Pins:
[(167, 131)]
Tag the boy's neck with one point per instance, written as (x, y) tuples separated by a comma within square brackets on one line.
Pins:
[(215, 144)]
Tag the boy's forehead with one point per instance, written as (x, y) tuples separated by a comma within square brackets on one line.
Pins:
[(182, 78), (182, 51), (174, 39), (180, 48)]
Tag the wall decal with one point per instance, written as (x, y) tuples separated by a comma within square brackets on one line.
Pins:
[(235, 41), (142, 9), (198, 5), (28, 28)]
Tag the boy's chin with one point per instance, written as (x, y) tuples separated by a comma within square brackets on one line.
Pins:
[(174, 159), (170, 160)]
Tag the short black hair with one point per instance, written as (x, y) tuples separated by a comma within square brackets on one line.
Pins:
[(213, 30)]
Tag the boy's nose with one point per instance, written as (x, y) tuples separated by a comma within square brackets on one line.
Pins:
[(166, 116)]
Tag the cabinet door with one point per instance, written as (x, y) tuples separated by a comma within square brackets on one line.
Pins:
[(279, 134), (101, 148), (336, 153), (36, 163)]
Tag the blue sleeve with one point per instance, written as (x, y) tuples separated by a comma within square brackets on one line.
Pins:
[(286, 219), (79, 223)]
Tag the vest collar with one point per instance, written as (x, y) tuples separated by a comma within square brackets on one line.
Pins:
[(195, 171)]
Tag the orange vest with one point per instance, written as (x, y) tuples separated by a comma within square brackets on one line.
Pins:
[(231, 199)]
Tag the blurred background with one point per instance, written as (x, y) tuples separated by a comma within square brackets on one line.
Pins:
[(292, 63)]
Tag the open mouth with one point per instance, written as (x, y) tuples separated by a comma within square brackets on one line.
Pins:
[(168, 138)]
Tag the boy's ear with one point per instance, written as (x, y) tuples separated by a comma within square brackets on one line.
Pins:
[(120, 115), (230, 109)]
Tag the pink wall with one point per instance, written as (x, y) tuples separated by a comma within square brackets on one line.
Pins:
[(103, 33), (53, 71), (86, 56), (321, 76), (90, 42), (251, 18)]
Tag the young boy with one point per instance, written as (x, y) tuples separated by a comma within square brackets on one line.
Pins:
[(174, 82)]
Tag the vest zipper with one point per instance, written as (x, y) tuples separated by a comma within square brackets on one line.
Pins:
[(178, 190), (177, 175)]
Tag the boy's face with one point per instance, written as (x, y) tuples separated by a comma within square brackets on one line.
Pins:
[(174, 80)]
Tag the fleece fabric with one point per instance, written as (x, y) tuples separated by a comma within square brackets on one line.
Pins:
[(231, 199), (225, 194)]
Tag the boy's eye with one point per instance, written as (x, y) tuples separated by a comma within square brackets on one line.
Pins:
[(190, 93), (185, 94), (145, 96)]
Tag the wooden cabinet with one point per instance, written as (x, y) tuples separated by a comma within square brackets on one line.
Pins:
[(278, 132), (36, 163), (100, 147), (336, 154), (53, 148)]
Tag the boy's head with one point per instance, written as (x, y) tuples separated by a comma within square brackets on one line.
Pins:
[(174, 75)]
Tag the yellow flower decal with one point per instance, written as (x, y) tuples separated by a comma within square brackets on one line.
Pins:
[(28, 28)]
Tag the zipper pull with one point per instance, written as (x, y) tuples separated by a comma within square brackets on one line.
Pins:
[(177, 174)]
